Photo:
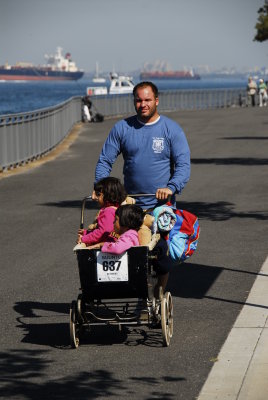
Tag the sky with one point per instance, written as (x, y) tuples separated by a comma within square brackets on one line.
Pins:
[(122, 35)]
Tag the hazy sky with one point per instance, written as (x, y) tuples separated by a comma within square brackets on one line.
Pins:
[(123, 34)]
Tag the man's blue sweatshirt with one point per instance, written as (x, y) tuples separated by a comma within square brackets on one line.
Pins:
[(155, 156)]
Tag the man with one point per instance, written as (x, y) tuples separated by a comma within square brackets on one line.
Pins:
[(156, 158), (155, 151)]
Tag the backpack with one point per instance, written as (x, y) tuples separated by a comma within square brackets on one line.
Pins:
[(98, 117), (183, 237)]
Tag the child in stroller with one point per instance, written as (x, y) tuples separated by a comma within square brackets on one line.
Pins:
[(109, 194), (127, 222)]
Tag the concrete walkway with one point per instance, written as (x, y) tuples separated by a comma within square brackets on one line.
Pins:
[(241, 370), (218, 350)]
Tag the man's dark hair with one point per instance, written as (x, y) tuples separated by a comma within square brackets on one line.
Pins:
[(113, 190), (145, 84), (130, 216)]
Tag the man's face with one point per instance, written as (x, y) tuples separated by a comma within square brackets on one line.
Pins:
[(146, 104)]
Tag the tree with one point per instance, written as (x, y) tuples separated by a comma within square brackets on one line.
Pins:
[(262, 24)]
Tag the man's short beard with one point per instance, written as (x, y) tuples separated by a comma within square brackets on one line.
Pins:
[(148, 116)]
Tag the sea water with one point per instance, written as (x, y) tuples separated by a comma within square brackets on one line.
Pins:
[(23, 96)]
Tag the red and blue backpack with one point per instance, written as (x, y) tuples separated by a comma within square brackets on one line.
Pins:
[(182, 239)]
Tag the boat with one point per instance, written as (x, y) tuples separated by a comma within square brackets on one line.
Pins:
[(57, 68), (119, 84), (178, 75), (97, 78)]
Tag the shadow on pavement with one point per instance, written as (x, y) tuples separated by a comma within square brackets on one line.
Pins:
[(245, 138), (24, 376), (90, 205), (218, 211), (231, 161), (55, 333), (192, 280), (28, 309), (31, 321)]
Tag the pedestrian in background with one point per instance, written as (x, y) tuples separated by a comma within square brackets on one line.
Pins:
[(87, 104), (262, 93), (251, 90)]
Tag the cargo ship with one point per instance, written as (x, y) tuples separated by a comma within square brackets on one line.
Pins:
[(178, 75), (57, 68)]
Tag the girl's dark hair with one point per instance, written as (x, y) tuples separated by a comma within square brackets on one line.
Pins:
[(130, 216), (146, 84), (112, 189)]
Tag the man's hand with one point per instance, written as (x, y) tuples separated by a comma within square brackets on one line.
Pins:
[(163, 193)]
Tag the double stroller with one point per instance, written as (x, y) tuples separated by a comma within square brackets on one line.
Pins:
[(118, 290)]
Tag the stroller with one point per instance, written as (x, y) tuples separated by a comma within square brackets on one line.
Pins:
[(118, 290)]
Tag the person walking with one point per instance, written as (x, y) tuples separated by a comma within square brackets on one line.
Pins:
[(155, 152), (262, 93), (251, 89)]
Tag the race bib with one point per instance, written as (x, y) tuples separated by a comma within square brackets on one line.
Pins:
[(112, 267)]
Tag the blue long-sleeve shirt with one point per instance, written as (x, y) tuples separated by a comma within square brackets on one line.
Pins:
[(155, 156)]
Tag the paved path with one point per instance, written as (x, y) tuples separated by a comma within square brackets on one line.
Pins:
[(39, 216)]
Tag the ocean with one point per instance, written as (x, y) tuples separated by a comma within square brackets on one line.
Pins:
[(23, 96)]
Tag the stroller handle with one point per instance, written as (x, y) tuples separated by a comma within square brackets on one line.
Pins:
[(141, 194), (85, 199)]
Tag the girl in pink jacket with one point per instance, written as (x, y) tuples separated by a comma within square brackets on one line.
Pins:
[(128, 220), (109, 193)]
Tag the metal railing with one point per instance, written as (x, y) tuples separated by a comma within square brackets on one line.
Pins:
[(27, 136), (112, 105)]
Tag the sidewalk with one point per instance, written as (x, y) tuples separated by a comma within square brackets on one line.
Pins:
[(241, 370)]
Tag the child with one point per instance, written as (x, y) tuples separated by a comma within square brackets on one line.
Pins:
[(109, 193), (128, 220)]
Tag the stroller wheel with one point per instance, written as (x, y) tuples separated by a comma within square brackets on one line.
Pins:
[(167, 319), (170, 313), (74, 326), (79, 309)]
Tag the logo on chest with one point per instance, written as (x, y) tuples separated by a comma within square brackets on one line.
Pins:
[(158, 145)]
